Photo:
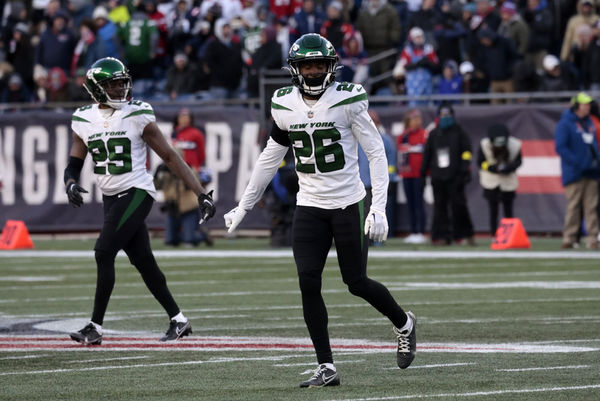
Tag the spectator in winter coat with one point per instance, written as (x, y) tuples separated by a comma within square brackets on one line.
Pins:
[(496, 58), (283, 9), (578, 55), (420, 62), (539, 20), (307, 20), (577, 145), (266, 57), (556, 76), (335, 28), (223, 61), (487, 15), (591, 72), (89, 48), (451, 81), (586, 15), (15, 91), (107, 32), (56, 44), (379, 24), (448, 33), (498, 158), (181, 78), (513, 27), (426, 18), (20, 53), (410, 145), (353, 59)]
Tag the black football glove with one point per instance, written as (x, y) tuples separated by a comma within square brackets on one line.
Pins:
[(74, 192), (206, 206), (492, 168)]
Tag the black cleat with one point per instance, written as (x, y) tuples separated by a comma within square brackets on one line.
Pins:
[(407, 344), (177, 330), (322, 377), (87, 336)]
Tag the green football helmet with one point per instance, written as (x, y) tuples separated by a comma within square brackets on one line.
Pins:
[(312, 46), (108, 82)]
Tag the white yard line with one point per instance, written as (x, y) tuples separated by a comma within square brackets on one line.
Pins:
[(431, 286), (544, 368), (373, 254), (337, 362), (437, 365), (477, 393), (24, 357), (108, 359)]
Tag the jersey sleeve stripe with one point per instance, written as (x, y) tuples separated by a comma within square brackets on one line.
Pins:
[(357, 98), (77, 118), (138, 112), (278, 106)]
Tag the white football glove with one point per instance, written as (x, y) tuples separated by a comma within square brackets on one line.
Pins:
[(233, 218), (376, 225)]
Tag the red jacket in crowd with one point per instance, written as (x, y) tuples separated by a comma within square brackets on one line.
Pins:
[(410, 147), (191, 141)]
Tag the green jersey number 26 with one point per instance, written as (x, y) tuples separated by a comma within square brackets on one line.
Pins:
[(327, 157)]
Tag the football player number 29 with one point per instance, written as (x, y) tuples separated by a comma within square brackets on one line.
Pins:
[(116, 150), (328, 157)]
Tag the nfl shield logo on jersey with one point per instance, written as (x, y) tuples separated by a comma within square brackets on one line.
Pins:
[(310, 114)]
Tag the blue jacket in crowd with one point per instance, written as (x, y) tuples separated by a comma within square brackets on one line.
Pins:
[(577, 146)]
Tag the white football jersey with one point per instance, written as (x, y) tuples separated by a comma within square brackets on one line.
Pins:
[(325, 139), (116, 145)]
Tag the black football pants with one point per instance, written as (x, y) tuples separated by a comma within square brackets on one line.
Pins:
[(124, 228), (313, 232)]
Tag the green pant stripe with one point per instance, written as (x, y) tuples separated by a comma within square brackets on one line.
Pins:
[(361, 213), (138, 197)]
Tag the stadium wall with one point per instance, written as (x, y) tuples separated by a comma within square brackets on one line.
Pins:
[(34, 148)]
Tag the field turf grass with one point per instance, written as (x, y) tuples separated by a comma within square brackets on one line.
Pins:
[(491, 326)]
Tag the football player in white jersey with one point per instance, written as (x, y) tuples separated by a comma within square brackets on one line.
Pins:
[(115, 131), (324, 121)]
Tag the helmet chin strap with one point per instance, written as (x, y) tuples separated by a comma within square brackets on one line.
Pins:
[(315, 86)]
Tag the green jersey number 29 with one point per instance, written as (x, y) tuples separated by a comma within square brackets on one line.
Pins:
[(116, 150)]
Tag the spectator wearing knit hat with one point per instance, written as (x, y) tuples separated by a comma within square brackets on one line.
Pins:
[(451, 81), (513, 27), (106, 31), (353, 59)]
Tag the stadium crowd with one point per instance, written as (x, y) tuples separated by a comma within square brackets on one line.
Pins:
[(190, 49)]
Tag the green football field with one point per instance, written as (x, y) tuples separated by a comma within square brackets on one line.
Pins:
[(520, 325)]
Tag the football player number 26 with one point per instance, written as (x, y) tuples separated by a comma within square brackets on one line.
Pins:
[(328, 157), (116, 150)]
